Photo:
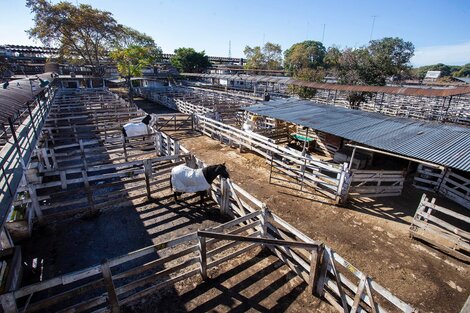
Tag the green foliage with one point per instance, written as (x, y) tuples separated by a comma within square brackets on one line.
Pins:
[(462, 71), (446, 70), (391, 56), (79, 31), (269, 57), (332, 57), (189, 61), (83, 34), (306, 54), (308, 75), (4, 67), (133, 59)]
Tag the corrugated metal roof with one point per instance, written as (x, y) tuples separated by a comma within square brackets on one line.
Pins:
[(13, 99), (446, 145), (407, 91)]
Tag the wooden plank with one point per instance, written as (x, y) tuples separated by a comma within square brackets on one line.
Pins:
[(266, 241), (108, 280), (202, 256), (8, 302)]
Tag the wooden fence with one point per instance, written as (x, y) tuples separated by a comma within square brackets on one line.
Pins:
[(442, 227), (106, 287), (328, 178), (376, 183), (56, 192), (446, 182)]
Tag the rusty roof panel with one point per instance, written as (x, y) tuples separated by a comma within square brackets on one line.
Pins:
[(407, 91)]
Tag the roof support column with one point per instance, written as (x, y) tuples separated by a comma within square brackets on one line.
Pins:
[(13, 133)]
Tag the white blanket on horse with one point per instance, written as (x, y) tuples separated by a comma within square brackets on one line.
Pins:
[(136, 129), (186, 179)]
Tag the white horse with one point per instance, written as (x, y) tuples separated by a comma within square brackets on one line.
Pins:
[(142, 128)]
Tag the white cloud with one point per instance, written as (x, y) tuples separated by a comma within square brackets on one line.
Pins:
[(458, 54)]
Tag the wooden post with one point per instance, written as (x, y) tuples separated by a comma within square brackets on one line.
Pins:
[(148, 174), (264, 223), (224, 195), (124, 147), (168, 145), (202, 257), (63, 179), (45, 157), (82, 154), (8, 303), (315, 258), (35, 202), (89, 193), (108, 281), (320, 285)]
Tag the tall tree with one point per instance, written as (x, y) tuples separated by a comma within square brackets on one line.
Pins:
[(132, 60), (82, 33), (306, 54), (391, 56), (189, 61), (268, 57)]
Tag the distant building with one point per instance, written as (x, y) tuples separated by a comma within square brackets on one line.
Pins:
[(432, 76), (463, 79)]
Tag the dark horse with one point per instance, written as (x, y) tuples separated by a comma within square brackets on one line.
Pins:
[(209, 174)]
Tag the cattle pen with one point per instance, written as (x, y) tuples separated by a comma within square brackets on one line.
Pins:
[(83, 178)]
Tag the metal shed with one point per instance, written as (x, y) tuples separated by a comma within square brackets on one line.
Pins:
[(438, 143)]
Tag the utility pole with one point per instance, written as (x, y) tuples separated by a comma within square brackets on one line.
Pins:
[(229, 48), (323, 35), (372, 27)]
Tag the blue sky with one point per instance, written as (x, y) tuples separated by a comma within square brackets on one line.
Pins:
[(440, 30)]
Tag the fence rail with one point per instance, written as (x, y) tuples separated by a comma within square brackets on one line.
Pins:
[(375, 183), (445, 182), (432, 223)]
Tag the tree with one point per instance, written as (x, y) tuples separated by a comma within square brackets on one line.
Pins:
[(4, 67), (132, 60), (268, 57), (463, 71), (391, 56), (332, 57), (309, 75), (82, 34), (189, 61), (306, 54)]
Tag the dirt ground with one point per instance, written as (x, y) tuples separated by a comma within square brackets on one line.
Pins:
[(370, 233), (255, 282)]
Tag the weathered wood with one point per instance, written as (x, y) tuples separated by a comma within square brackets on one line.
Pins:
[(108, 280), (8, 302), (202, 256), (438, 232), (296, 244)]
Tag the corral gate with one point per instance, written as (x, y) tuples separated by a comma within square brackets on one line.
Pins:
[(376, 183), (445, 182)]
